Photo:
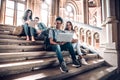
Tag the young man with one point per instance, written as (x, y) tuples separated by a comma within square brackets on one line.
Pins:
[(40, 28), (58, 47)]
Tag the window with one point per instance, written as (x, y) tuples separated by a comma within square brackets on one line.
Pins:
[(69, 12), (14, 12), (45, 11), (20, 13), (9, 12)]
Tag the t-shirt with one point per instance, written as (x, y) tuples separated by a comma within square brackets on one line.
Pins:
[(56, 31)]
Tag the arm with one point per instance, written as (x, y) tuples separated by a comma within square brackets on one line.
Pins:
[(52, 42), (74, 40)]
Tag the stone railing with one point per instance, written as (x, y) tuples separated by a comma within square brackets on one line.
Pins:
[(88, 34)]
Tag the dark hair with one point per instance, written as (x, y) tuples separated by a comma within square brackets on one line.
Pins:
[(59, 19), (36, 18), (66, 28), (26, 14)]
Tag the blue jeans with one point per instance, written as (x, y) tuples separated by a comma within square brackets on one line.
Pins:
[(29, 31), (58, 49), (77, 47)]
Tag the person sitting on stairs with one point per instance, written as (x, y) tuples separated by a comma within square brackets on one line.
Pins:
[(40, 28), (29, 31), (58, 47), (75, 41)]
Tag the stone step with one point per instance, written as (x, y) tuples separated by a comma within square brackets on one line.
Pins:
[(6, 27), (45, 74), (25, 66), (20, 56), (29, 65), (8, 36), (13, 48), (5, 32), (19, 42), (101, 73)]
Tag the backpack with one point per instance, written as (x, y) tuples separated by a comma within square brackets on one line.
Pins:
[(47, 41), (18, 30)]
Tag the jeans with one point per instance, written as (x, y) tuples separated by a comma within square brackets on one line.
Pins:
[(29, 31), (77, 47), (67, 46)]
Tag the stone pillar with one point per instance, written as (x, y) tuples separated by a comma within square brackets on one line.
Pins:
[(117, 7), (103, 10), (36, 8), (62, 9), (2, 11), (54, 11), (86, 11), (111, 28), (108, 26), (0, 5), (103, 31)]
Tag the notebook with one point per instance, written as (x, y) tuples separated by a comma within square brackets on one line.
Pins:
[(64, 37)]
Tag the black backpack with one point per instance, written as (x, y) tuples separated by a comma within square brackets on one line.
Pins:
[(46, 39)]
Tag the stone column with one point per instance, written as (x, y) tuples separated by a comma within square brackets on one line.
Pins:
[(117, 7), (103, 10), (111, 28), (108, 26), (86, 11), (2, 11), (62, 9), (37, 8), (54, 11)]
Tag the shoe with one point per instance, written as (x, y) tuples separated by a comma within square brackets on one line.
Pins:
[(83, 61), (76, 63), (63, 67)]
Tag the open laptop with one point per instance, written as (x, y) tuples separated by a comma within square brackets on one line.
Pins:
[(64, 37)]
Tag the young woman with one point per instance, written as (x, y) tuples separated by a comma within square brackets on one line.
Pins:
[(29, 31), (75, 41)]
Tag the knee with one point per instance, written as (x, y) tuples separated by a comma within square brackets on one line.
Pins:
[(56, 47), (69, 44)]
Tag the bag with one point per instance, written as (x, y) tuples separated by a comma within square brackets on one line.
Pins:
[(47, 41), (18, 30)]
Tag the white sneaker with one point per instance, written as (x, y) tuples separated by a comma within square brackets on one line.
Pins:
[(83, 61)]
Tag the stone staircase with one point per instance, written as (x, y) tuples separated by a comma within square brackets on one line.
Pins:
[(26, 60)]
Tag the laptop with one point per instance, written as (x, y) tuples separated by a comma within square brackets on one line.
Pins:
[(64, 37)]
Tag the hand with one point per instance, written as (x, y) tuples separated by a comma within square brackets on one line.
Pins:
[(27, 21), (61, 43), (39, 31), (75, 40)]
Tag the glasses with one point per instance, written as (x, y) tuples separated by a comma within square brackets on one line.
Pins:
[(59, 23)]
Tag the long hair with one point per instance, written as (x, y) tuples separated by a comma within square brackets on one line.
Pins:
[(66, 28), (26, 15)]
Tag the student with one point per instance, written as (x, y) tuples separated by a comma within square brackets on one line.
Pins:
[(39, 25), (29, 31), (40, 28), (75, 41), (58, 47)]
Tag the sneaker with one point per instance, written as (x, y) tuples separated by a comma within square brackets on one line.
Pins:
[(63, 67), (83, 61), (76, 63)]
